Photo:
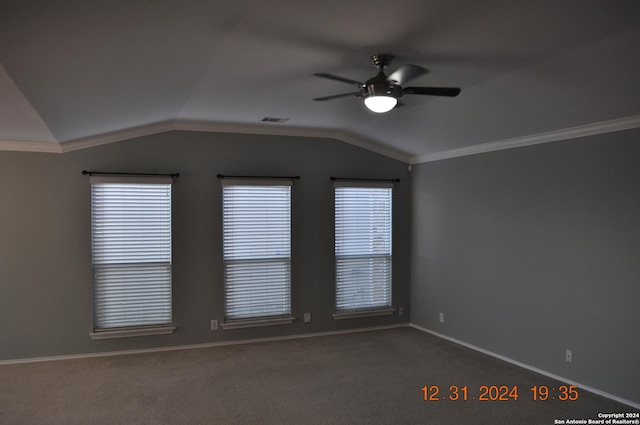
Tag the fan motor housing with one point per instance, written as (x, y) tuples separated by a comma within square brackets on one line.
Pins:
[(381, 89)]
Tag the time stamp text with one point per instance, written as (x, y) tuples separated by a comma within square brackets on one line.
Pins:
[(499, 393)]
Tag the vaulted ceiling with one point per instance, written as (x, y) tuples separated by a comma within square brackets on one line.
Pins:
[(76, 73)]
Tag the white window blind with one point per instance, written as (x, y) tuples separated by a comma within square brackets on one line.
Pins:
[(131, 242), (363, 224), (256, 248)]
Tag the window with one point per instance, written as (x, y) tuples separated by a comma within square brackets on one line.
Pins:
[(131, 245), (256, 251), (363, 225)]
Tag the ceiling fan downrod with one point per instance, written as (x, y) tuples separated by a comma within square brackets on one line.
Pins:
[(381, 61)]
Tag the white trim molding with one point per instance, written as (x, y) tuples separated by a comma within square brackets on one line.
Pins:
[(202, 126), (195, 346), (531, 368), (278, 130), (345, 136), (370, 145), (127, 333), (25, 146), (535, 139), (363, 313), (252, 323), (117, 136)]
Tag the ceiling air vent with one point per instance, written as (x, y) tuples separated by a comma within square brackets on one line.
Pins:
[(271, 119)]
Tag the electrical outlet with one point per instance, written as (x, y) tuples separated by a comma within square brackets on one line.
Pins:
[(214, 325), (569, 356), (307, 317), (401, 311), (441, 317)]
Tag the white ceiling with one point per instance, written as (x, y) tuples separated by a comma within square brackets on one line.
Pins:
[(76, 73)]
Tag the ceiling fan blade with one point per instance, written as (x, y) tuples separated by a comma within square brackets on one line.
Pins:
[(407, 73), (337, 96), (337, 78), (433, 91)]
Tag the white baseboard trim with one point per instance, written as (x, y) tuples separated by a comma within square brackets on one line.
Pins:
[(528, 367), (193, 346), (320, 334)]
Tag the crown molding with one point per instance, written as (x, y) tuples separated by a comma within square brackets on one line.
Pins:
[(26, 146), (239, 128), (368, 144), (117, 136), (535, 139), (202, 126), (341, 135)]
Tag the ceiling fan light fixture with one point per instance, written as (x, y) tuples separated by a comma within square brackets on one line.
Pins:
[(380, 104), (381, 92)]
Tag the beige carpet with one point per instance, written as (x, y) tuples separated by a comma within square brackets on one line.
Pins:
[(361, 378)]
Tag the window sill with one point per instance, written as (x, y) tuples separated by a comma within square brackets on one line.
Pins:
[(363, 313), (251, 323), (131, 332)]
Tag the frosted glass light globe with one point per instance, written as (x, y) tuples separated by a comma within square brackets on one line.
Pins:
[(380, 104)]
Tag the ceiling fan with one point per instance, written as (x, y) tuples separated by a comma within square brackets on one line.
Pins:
[(381, 92)]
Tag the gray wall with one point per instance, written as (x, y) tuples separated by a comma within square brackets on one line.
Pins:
[(532, 251), (45, 241)]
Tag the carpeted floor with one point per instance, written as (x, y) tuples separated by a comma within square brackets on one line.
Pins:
[(361, 378)]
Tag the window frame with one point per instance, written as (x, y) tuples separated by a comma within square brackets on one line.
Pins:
[(233, 252), (156, 246), (343, 241)]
